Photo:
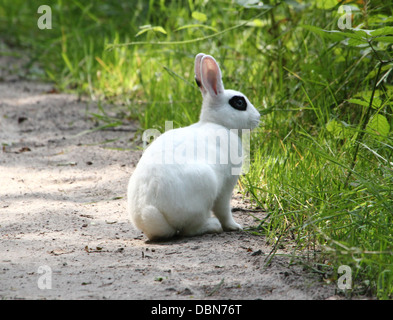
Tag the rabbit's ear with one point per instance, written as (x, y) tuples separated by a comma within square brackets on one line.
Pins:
[(198, 78), (211, 76)]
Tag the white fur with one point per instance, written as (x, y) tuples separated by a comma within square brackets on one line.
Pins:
[(187, 173)]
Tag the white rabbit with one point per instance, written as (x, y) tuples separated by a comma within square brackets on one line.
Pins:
[(188, 173)]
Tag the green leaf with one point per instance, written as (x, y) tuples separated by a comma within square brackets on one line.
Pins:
[(379, 125), (325, 4), (159, 29), (386, 31), (359, 102), (388, 39), (366, 96), (337, 129), (150, 28), (362, 32), (334, 36), (356, 34), (257, 23), (376, 102), (67, 61), (357, 37), (357, 43), (199, 16)]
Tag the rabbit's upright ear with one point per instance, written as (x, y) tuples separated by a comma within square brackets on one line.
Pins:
[(211, 76), (198, 78)]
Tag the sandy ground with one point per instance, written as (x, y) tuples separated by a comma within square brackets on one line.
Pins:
[(64, 231)]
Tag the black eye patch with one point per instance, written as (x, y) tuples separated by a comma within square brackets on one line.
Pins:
[(238, 103)]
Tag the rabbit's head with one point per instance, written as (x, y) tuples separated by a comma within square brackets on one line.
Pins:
[(228, 108)]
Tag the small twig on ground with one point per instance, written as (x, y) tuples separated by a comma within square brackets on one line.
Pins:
[(216, 288)]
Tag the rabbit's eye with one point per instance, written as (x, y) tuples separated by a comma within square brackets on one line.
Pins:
[(238, 102)]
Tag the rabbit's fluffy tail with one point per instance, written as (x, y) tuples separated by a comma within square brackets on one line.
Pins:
[(154, 224)]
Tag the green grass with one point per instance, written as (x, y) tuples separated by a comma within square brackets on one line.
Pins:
[(322, 164)]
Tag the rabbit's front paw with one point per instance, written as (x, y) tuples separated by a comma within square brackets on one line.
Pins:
[(232, 226)]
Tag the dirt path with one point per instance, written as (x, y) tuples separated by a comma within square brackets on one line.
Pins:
[(64, 232)]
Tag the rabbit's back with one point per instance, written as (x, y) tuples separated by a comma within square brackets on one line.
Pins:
[(175, 182)]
